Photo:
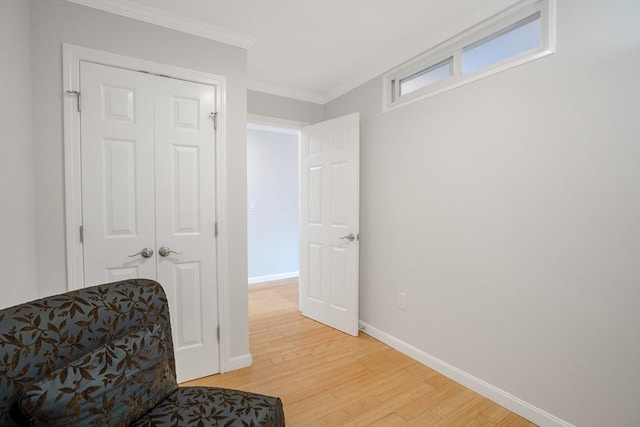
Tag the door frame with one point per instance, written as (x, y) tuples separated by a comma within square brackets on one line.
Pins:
[(275, 122), (72, 55)]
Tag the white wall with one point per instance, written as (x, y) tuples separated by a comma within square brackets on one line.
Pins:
[(508, 210), (265, 104), (17, 212), (272, 186), (55, 22)]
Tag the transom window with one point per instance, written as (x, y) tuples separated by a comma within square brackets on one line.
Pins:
[(517, 35), (523, 36)]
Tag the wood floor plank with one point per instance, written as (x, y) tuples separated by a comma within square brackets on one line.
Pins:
[(455, 402), (344, 413), (495, 413), (411, 408), (395, 404), (467, 413), (514, 420), (326, 378), (390, 420), (426, 418)]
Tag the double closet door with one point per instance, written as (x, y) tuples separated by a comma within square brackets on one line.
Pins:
[(148, 197)]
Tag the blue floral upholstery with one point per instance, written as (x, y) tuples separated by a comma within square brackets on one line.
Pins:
[(210, 406), (39, 338), (113, 385)]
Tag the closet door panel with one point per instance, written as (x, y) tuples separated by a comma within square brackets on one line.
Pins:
[(185, 218), (117, 173)]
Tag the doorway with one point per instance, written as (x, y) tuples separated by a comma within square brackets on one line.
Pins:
[(272, 201), (329, 203)]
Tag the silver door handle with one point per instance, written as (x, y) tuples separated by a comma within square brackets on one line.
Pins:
[(146, 253), (350, 237), (165, 251)]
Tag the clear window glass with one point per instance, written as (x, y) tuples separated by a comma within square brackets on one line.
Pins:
[(426, 77), (511, 41)]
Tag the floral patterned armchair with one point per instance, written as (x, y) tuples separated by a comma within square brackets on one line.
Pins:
[(104, 356)]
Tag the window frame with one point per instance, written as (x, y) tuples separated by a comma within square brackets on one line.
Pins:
[(453, 48)]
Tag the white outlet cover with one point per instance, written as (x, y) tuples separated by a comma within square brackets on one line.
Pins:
[(402, 300)]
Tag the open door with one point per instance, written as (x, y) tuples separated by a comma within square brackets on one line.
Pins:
[(330, 222)]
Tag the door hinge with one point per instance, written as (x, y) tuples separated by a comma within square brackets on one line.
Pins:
[(218, 333), (214, 116), (215, 229), (77, 95), (81, 234)]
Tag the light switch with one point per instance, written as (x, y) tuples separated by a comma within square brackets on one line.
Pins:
[(252, 205)]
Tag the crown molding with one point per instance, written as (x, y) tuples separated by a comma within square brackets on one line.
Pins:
[(272, 89), (470, 20), (372, 72), (473, 19), (220, 34), (169, 20)]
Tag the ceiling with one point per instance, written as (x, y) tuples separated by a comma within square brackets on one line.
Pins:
[(316, 50)]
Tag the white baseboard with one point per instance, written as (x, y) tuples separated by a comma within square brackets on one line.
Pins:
[(239, 362), (501, 397), (272, 277)]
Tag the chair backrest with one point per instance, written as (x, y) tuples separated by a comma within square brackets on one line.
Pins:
[(38, 337)]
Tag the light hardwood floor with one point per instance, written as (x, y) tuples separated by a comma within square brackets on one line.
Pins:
[(326, 378)]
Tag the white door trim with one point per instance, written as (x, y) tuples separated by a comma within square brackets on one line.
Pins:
[(275, 122), (71, 57)]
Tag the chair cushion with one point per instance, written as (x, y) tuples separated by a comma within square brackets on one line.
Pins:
[(113, 385), (210, 406)]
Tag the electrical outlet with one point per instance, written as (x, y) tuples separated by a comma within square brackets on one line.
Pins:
[(402, 300)]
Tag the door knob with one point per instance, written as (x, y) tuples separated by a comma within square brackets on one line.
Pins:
[(350, 237), (165, 251), (146, 253)]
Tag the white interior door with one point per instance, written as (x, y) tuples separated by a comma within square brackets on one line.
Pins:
[(148, 183), (117, 173), (330, 222), (185, 220)]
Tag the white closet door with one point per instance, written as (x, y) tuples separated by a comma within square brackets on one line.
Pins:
[(148, 183), (185, 220), (117, 173)]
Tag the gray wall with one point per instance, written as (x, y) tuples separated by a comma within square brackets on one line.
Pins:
[(272, 184), (265, 104), (17, 203), (508, 210), (55, 22)]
